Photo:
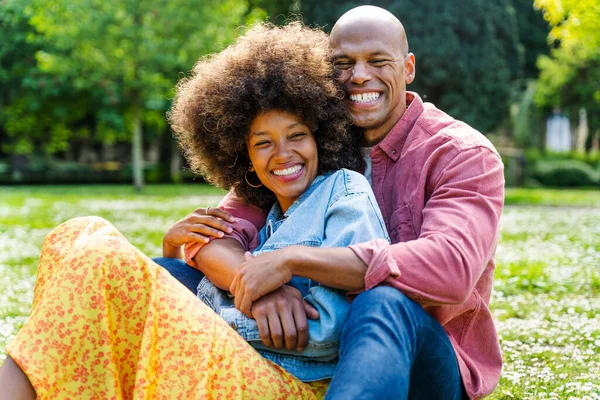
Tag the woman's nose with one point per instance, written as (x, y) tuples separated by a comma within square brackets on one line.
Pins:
[(284, 150)]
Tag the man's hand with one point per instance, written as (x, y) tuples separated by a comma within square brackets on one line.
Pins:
[(199, 226), (258, 276), (281, 318)]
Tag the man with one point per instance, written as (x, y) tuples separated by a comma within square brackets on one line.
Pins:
[(420, 327)]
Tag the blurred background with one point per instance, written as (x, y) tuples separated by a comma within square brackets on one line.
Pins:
[(84, 85)]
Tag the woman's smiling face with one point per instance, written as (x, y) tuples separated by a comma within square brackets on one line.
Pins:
[(283, 153)]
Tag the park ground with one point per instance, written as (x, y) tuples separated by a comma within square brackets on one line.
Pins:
[(546, 299)]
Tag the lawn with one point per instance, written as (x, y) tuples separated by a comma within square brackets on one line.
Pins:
[(546, 298)]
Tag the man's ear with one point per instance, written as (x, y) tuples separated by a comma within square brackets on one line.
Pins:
[(409, 68)]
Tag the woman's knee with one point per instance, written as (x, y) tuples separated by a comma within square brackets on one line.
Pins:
[(81, 223)]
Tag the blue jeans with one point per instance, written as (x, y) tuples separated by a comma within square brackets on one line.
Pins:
[(190, 277), (390, 348)]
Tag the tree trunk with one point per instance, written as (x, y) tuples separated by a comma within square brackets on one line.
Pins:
[(175, 167), (582, 131), (137, 146), (153, 153)]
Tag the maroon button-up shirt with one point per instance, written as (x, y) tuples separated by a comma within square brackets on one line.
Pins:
[(440, 186)]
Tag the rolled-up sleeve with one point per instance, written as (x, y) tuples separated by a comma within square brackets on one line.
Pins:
[(249, 219), (457, 239)]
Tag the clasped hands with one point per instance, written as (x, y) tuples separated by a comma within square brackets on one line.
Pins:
[(259, 286), (261, 293)]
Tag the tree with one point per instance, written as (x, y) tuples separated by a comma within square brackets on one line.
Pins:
[(570, 76), (533, 31), (129, 53), (26, 121)]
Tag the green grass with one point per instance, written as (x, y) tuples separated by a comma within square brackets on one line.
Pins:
[(546, 299), (553, 197)]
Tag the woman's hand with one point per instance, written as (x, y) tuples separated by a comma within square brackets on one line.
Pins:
[(258, 276), (199, 226), (281, 318)]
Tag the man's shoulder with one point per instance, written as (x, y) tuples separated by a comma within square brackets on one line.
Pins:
[(449, 132)]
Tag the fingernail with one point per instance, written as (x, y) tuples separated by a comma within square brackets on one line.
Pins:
[(220, 234), (229, 229)]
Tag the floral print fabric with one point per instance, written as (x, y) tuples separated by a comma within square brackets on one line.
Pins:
[(108, 323)]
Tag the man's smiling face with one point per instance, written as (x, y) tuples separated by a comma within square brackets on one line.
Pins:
[(374, 68)]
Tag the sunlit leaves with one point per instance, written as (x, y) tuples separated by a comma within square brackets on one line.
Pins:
[(570, 76)]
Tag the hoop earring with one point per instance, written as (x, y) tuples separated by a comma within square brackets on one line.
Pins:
[(248, 182)]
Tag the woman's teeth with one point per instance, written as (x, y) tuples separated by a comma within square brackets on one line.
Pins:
[(364, 97), (288, 171)]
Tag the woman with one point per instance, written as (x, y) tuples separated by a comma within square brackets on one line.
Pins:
[(107, 322), (280, 126)]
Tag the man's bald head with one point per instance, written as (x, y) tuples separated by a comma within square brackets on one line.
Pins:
[(363, 17), (370, 52)]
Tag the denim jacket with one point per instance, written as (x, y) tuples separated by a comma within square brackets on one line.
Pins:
[(338, 209)]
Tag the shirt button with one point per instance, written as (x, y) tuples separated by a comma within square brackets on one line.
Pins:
[(393, 151), (234, 326)]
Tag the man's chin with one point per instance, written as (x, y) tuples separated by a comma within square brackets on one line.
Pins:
[(365, 121)]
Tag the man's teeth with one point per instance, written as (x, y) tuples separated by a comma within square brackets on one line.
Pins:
[(364, 97), (288, 171)]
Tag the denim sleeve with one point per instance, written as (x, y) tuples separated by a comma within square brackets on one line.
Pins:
[(352, 217)]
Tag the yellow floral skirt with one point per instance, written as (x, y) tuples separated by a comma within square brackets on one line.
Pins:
[(108, 323)]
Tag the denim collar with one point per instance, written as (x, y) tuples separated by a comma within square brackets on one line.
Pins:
[(277, 215)]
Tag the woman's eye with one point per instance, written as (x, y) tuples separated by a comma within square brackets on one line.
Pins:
[(262, 143), (298, 135)]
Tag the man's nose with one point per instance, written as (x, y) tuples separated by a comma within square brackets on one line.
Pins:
[(360, 74)]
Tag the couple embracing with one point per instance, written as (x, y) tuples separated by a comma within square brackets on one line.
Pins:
[(352, 258)]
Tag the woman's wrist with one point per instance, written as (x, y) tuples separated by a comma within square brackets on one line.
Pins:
[(170, 251)]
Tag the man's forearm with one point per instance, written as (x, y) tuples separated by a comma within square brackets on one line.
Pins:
[(219, 260), (337, 267)]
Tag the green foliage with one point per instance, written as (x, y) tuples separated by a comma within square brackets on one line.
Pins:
[(75, 74), (552, 197), (565, 173), (534, 155), (527, 120), (569, 76), (533, 30)]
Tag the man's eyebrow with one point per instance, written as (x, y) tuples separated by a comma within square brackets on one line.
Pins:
[(382, 54), (374, 54)]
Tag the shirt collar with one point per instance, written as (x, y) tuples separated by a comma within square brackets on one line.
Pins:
[(394, 141)]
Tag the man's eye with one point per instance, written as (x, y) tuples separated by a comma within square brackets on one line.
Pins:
[(378, 62), (343, 65)]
